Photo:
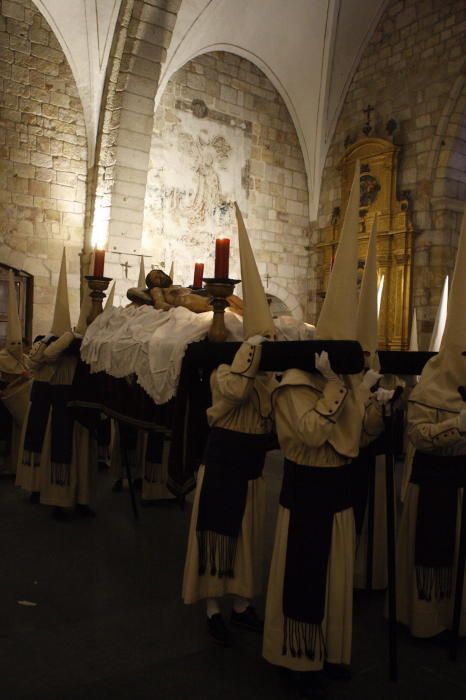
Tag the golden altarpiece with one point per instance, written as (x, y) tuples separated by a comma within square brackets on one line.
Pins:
[(378, 158)]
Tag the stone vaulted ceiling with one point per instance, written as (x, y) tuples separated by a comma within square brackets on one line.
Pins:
[(309, 50)]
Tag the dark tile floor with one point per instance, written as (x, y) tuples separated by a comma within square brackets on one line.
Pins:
[(109, 622)]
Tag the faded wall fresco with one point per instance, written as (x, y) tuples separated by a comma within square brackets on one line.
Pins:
[(223, 133), (195, 172)]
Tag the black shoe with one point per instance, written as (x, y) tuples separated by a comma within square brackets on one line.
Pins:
[(337, 672), (34, 497), (310, 684), (247, 619), (137, 484), (218, 630), (117, 486)]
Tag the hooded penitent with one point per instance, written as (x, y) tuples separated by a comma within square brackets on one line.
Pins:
[(438, 475), (440, 319), (142, 275), (257, 319), (444, 373), (367, 308), (338, 318), (11, 357), (61, 317), (110, 298)]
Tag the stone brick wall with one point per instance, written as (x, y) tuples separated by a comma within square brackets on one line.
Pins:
[(222, 132), (412, 71), (43, 157)]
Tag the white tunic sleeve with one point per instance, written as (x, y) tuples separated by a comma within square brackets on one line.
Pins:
[(428, 433), (235, 382)]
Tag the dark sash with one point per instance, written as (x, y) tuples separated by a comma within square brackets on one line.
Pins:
[(439, 479), (312, 495), (361, 469), (232, 460), (61, 447), (41, 398)]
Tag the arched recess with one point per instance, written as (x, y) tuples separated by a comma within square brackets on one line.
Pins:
[(222, 132), (289, 299), (268, 72), (44, 160)]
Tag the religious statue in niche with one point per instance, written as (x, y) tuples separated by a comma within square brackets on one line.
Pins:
[(370, 187), (206, 153)]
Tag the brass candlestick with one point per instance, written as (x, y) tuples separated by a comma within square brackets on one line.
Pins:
[(97, 285), (219, 289)]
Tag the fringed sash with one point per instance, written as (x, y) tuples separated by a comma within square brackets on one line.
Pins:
[(232, 460), (41, 398), (61, 448), (439, 479), (312, 495)]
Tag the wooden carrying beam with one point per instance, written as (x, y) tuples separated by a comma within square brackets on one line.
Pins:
[(346, 356), (403, 361)]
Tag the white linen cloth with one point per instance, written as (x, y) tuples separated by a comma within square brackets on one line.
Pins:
[(152, 343)]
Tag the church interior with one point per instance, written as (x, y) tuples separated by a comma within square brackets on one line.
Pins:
[(232, 349)]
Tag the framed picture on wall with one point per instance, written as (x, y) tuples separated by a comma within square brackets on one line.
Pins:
[(24, 284)]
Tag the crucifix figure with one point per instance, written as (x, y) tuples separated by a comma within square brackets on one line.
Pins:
[(267, 277), (126, 267), (367, 128)]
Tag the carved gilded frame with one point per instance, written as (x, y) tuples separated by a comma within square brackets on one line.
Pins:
[(379, 159)]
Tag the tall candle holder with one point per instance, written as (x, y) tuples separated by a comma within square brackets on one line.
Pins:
[(219, 289), (97, 285)]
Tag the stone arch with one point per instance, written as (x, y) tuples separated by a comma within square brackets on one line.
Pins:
[(116, 201), (45, 167), (289, 299)]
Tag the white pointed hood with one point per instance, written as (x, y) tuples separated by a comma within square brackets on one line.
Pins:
[(367, 330), (61, 316), (257, 319), (110, 298), (413, 339), (444, 373), (337, 320), (142, 274), (440, 319)]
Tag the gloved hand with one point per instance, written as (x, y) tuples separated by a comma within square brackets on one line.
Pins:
[(370, 379), (462, 421), (256, 339), (322, 364), (383, 396)]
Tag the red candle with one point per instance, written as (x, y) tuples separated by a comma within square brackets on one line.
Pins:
[(222, 257), (198, 275), (99, 259)]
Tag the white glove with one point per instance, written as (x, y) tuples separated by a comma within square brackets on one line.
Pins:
[(462, 421), (370, 379), (256, 339), (383, 396), (322, 364)]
